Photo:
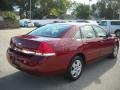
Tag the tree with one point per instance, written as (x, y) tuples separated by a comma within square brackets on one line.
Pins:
[(24, 6), (50, 8), (6, 5), (94, 10), (40, 8), (108, 9), (82, 11), (9, 16), (43, 8)]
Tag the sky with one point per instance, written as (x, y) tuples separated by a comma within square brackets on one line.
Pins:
[(86, 1)]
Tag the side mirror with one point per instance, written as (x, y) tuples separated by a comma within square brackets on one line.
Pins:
[(108, 35)]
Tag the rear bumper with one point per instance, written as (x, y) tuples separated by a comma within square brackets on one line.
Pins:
[(34, 64)]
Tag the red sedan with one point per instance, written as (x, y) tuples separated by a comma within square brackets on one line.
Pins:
[(61, 48)]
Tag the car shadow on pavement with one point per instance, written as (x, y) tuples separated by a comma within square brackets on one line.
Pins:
[(23, 81)]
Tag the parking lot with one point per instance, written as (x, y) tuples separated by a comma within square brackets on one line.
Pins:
[(101, 75)]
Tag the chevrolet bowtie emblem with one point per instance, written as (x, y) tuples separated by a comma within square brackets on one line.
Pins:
[(19, 43)]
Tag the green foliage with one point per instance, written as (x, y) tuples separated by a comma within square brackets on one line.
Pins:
[(82, 11), (53, 7), (6, 5), (9, 16), (46, 8), (53, 12), (108, 9)]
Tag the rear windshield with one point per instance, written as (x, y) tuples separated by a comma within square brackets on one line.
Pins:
[(51, 30)]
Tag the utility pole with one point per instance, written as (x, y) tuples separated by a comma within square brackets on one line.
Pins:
[(113, 8), (119, 13), (30, 9), (89, 7)]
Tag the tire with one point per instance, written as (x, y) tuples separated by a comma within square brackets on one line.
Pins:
[(117, 33), (115, 52), (75, 68)]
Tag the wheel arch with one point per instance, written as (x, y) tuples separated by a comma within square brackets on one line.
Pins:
[(117, 43), (83, 57), (117, 30), (77, 54)]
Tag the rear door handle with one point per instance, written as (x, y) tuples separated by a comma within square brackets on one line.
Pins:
[(101, 41)]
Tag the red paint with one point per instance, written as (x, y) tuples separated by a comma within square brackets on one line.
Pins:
[(65, 49)]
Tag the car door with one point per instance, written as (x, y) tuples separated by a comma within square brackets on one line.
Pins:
[(91, 45), (106, 43), (115, 25)]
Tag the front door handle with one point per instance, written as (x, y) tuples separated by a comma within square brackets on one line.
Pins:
[(85, 43)]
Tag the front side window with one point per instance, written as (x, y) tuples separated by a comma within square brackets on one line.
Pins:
[(103, 23), (77, 34), (88, 32), (51, 30), (99, 31)]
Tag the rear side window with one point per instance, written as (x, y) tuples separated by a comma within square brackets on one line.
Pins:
[(115, 22), (99, 31), (88, 32), (51, 30), (78, 34)]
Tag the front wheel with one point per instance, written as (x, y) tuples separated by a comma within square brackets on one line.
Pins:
[(117, 33), (75, 68), (115, 52)]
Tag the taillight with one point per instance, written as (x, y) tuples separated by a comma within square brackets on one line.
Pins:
[(45, 50)]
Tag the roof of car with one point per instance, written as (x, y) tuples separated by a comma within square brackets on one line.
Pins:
[(75, 23), (110, 20)]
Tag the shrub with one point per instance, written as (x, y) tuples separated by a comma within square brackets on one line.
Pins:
[(9, 16)]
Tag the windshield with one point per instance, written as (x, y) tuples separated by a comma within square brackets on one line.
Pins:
[(51, 30)]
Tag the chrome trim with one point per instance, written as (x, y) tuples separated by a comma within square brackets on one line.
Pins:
[(28, 52), (34, 53), (49, 54), (45, 54)]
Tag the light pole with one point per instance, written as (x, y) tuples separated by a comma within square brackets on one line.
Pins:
[(113, 8), (89, 7), (119, 13), (30, 9)]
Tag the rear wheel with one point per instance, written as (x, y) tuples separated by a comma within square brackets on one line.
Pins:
[(75, 68)]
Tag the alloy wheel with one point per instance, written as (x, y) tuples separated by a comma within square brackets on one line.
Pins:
[(76, 68)]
